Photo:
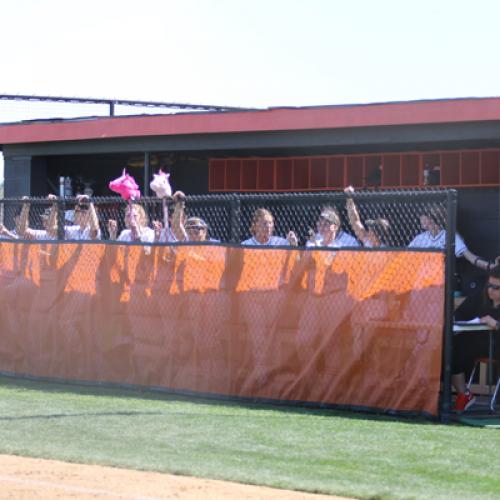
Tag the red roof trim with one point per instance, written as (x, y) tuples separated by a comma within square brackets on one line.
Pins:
[(370, 115)]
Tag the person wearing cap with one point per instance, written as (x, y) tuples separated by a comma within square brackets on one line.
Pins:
[(196, 229), (432, 221), (82, 222), (262, 228), (329, 232), (374, 233)]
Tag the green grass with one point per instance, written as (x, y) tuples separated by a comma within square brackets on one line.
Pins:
[(295, 448)]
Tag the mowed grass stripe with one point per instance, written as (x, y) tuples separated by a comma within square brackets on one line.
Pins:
[(323, 451)]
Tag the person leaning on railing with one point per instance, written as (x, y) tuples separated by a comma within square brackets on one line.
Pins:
[(374, 233), (432, 222), (262, 229), (484, 305)]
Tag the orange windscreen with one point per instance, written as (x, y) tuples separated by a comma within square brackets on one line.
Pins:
[(352, 328)]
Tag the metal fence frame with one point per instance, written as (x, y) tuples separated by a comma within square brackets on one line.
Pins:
[(235, 205)]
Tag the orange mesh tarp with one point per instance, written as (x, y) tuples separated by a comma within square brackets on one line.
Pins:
[(352, 328)]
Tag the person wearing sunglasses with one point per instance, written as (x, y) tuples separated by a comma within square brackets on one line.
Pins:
[(484, 305), (196, 229)]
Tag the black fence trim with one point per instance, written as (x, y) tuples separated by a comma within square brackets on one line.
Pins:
[(213, 396)]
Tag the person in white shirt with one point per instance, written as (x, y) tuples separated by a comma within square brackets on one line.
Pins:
[(136, 222), (262, 228), (49, 222), (434, 236), (84, 222), (329, 232), (374, 233)]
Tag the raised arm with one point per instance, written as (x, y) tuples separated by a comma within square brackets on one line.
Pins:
[(353, 216), (93, 220), (22, 225), (112, 229), (179, 216), (9, 234), (52, 220)]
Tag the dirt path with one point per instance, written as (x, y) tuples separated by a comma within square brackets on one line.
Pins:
[(25, 478)]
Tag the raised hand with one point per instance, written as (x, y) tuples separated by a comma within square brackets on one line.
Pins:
[(292, 239), (112, 229)]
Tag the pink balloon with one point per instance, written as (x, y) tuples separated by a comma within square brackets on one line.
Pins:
[(126, 187)]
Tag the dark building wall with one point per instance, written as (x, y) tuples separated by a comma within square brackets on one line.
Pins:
[(190, 176), (478, 221), (18, 174)]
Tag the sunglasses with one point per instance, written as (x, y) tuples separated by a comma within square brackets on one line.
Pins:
[(493, 286)]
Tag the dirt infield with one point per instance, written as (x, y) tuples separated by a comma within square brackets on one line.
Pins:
[(23, 478)]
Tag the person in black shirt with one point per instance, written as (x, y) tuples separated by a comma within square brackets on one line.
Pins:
[(467, 347)]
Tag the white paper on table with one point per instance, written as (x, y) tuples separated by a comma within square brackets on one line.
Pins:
[(475, 321)]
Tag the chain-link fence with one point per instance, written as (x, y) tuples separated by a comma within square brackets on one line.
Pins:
[(396, 217), (358, 329)]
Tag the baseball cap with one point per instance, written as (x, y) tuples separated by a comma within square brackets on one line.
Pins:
[(331, 216)]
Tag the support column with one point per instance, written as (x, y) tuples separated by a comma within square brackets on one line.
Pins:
[(17, 176)]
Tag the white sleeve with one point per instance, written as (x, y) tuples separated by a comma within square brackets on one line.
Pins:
[(460, 246), (148, 235), (415, 242), (124, 235)]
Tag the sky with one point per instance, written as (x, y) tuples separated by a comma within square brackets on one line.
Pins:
[(251, 53)]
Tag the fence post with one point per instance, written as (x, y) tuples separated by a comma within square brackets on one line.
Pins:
[(146, 173), (234, 220), (60, 218), (451, 227)]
